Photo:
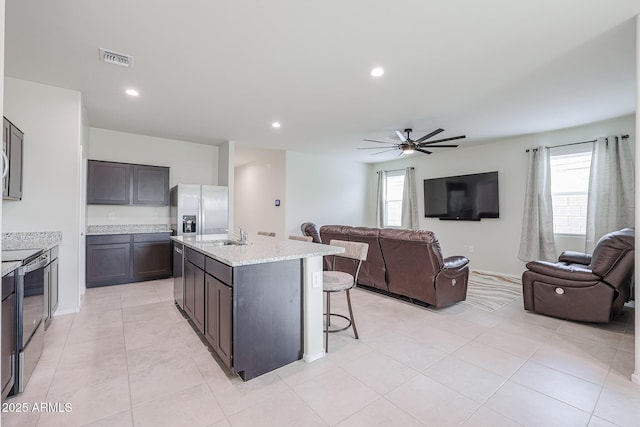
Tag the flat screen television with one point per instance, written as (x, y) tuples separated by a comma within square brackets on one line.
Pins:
[(465, 197)]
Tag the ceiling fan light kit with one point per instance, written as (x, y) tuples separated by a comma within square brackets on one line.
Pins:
[(409, 146)]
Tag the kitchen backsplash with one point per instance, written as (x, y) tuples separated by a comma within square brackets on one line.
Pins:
[(124, 215)]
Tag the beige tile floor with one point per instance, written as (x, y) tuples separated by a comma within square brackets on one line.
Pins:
[(130, 358)]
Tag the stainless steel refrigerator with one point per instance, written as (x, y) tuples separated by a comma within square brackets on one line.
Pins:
[(197, 209)]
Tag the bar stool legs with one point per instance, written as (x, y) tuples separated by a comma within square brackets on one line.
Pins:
[(328, 314)]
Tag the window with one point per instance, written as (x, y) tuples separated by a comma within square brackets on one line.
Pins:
[(394, 187), (569, 188)]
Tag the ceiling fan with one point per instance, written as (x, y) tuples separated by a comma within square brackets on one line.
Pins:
[(406, 145)]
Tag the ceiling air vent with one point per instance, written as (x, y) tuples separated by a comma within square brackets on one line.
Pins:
[(116, 58)]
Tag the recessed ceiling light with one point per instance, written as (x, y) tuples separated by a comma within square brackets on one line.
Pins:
[(132, 92), (275, 125), (377, 72)]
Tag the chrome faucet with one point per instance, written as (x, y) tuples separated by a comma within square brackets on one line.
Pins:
[(243, 236)]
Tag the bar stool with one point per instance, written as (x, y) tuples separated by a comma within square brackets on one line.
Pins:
[(339, 281)]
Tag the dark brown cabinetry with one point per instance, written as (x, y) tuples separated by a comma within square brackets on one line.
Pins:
[(51, 286), (122, 258), (250, 315), (194, 287), (109, 183), (151, 256), (219, 325), (9, 345), (12, 145), (150, 185), (112, 183)]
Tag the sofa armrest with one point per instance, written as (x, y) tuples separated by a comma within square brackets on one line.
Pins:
[(575, 272), (455, 262), (573, 257)]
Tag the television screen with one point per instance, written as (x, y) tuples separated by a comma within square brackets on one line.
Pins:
[(464, 197)]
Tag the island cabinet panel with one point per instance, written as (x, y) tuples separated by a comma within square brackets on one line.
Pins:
[(267, 317), (194, 287), (219, 319), (189, 275)]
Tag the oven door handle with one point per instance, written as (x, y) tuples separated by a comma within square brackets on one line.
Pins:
[(42, 262)]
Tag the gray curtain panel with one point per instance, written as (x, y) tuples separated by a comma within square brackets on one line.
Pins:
[(610, 204), (380, 212), (410, 201), (536, 239)]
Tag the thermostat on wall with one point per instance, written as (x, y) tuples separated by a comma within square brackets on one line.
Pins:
[(277, 202)]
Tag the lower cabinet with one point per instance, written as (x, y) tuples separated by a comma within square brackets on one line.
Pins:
[(113, 259), (194, 292), (219, 318), (151, 256)]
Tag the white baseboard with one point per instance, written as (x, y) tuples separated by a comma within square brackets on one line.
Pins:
[(635, 378), (67, 311), (313, 357)]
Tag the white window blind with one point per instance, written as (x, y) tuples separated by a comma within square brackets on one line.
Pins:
[(393, 198), (569, 188)]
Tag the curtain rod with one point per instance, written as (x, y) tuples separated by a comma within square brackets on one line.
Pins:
[(575, 143), (396, 170)]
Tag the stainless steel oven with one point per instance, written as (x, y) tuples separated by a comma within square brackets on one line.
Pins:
[(30, 286)]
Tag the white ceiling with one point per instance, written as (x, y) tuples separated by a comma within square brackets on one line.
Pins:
[(210, 71)]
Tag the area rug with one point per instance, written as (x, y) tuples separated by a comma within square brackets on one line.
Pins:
[(490, 291)]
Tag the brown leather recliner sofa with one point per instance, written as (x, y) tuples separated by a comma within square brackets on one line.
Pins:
[(583, 287), (402, 262)]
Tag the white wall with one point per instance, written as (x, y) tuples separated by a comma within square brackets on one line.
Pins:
[(50, 118), (226, 174), (257, 185), (495, 242), (189, 163), (325, 190)]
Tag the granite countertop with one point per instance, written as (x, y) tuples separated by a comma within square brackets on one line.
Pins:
[(9, 266), (259, 250), (31, 240), (94, 230)]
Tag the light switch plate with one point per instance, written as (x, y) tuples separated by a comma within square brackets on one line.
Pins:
[(317, 279)]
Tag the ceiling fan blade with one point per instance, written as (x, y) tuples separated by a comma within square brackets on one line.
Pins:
[(423, 151), (385, 151), (430, 135), (445, 139), (380, 142), (373, 148), (402, 137), (427, 144)]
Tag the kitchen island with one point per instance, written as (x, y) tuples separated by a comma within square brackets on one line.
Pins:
[(258, 305)]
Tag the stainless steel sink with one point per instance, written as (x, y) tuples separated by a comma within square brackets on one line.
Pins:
[(226, 243)]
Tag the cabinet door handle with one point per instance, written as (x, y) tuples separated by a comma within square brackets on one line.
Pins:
[(5, 164), (179, 250)]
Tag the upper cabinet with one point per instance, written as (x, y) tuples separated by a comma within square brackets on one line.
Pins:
[(12, 145), (111, 183), (150, 185)]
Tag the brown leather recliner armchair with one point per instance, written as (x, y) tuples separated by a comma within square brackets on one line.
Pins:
[(417, 269), (583, 287)]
